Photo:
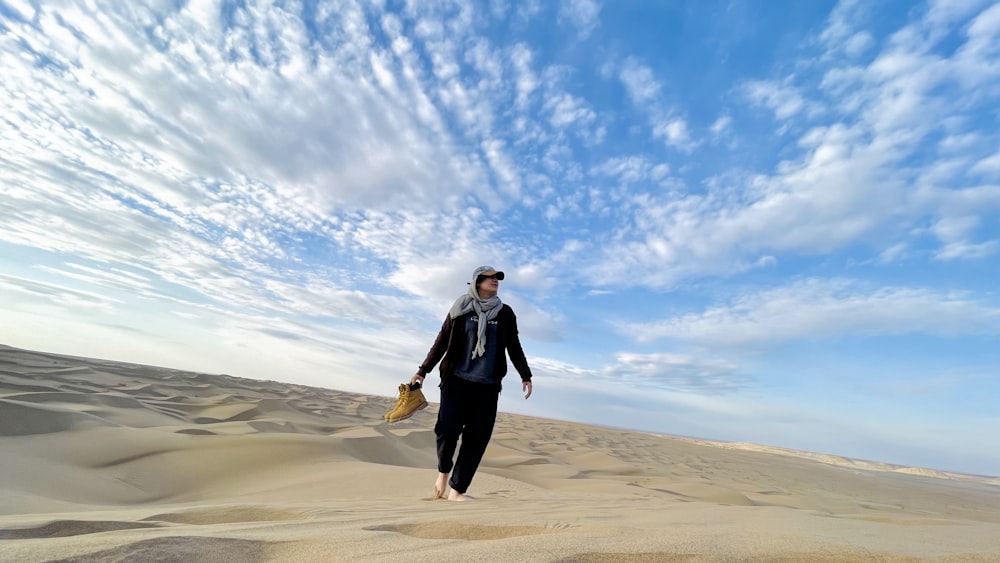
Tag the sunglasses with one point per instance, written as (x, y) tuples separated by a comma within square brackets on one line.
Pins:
[(493, 277)]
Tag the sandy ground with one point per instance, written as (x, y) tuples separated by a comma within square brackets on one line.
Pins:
[(106, 461)]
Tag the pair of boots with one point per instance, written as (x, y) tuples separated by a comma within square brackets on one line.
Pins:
[(411, 399)]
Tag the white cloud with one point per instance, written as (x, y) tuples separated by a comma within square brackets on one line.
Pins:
[(528, 9), (988, 166), (815, 309), (22, 9), (689, 379), (721, 124), (55, 294), (868, 177), (842, 35), (343, 139), (582, 14), (508, 177), (783, 99), (639, 82), (967, 250), (674, 132), (859, 43), (526, 81), (943, 15), (951, 229), (675, 372), (566, 110), (643, 90), (216, 166), (841, 23), (631, 169)]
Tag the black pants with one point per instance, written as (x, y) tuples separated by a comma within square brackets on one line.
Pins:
[(468, 410)]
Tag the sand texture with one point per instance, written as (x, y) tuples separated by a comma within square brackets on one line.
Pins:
[(106, 461)]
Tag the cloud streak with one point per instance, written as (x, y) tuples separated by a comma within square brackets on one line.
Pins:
[(823, 309)]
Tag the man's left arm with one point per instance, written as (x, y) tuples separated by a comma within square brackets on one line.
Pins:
[(517, 357)]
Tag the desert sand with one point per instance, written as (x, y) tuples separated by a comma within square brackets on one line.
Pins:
[(108, 461)]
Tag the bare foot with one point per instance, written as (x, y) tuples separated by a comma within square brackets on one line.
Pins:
[(441, 485), (457, 496)]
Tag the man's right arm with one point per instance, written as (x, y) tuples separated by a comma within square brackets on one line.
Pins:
[(437, 351)]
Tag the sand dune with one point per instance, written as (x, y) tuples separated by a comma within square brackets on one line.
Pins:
[(107, 461)]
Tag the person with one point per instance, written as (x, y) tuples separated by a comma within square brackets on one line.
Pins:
[(471, 346)]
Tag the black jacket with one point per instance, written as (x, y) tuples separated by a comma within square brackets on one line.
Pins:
[(447, 345)]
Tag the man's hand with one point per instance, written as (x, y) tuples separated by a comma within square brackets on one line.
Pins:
[(526, 387), (417, 378)]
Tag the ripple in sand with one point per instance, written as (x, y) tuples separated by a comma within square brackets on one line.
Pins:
[(268, 427), (131, 458), (446, 530), (179, 549), (66, 528), (229, 515), (9, 386), (24, 419), (59, 398), (656, 557)]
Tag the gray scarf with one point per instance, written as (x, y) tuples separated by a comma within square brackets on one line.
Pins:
[(487, 309)]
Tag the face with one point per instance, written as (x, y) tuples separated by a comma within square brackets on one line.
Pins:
[(487, 285)]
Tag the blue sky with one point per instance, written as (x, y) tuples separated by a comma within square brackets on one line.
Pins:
[(771, 222)]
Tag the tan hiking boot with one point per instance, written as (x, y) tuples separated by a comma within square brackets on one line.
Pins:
[(410, 401), (403, 388)]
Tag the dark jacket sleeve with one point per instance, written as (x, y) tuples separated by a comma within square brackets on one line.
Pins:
[(438, 349), (515, 351)]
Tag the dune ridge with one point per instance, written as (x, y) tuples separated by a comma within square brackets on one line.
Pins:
[(110, 461)]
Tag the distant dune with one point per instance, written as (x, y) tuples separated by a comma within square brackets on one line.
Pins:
[(851, 462), (109, 461)]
